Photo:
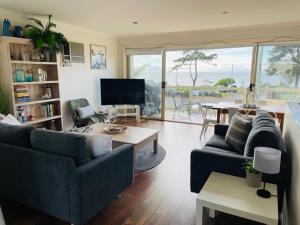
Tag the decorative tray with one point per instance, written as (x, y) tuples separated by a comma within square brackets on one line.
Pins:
[(115, 129)]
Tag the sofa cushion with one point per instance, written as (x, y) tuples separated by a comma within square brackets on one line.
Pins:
[(62, 143), (218, 141), (263, 133), (85, 112), (15, 135), (219, 151), (99, 144), (238, 132)]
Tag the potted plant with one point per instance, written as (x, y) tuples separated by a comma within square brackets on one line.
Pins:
[(44, 38), (4, 100), (253, 177)]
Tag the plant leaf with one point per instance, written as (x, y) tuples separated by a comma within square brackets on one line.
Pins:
[(37, 22)]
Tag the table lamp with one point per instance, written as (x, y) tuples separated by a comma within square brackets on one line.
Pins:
[(266, 160)]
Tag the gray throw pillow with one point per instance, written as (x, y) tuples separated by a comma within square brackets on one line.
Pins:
[(238, 132), (98, 144), (85, 112)]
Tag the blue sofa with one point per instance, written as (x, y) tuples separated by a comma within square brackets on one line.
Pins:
[(219, 156), (58, 176)]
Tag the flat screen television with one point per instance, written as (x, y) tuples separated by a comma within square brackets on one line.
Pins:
[(122, 91)]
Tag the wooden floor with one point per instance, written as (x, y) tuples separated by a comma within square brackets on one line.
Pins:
[(160, 196)]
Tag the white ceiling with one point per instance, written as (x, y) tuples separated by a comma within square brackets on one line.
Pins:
[(159, 16)]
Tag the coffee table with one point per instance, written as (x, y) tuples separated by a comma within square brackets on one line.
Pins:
[(230, 194), (137, 136)]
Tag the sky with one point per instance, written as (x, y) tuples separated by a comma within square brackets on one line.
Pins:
[(230, 62)]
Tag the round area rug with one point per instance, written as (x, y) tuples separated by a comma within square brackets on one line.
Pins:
[(146, 159)]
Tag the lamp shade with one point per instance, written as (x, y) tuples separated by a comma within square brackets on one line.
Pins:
[(267, 160)]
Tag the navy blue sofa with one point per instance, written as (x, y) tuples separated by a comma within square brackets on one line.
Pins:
[(59, 177), (219, 156)]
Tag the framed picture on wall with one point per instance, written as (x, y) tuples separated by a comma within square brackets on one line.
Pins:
[(98, 57)]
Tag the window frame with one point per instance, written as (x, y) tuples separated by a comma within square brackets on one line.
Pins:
[(254, 62)]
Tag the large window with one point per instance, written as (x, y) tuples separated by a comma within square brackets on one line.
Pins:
[(197, 76), (210, 75), (278, 73)]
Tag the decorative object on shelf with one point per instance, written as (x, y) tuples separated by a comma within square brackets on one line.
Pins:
[(25, 56), (18, 32), (48, 93), (19, 75), (36, 55), (266, 160), (43, 35), (114, 129), (98, 57), (4, 101), (40, 75), (21, 114), (51, 125), (5, 28), (28, 75), (253, 177)]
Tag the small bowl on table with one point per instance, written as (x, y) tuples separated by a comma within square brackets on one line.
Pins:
[(115, 129)]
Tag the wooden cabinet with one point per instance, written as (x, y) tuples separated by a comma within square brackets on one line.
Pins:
[(33, 84)]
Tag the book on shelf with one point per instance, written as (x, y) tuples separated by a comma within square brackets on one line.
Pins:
[(22, 94), (48, 110)]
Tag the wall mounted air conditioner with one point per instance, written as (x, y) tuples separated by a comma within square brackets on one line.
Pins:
[(73, 53)]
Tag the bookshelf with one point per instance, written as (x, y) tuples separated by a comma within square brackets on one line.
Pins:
[(33, 84)]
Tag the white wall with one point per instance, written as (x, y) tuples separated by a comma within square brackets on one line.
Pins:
[(291, 136), (77, 81)]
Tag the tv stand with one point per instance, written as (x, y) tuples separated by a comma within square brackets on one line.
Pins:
[(124, 110)]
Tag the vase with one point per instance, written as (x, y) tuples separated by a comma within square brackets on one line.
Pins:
[(47, 54), (253, 180)]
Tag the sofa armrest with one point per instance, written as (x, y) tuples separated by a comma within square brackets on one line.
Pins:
[(203, 162), (96, 183), (36, 179), (221, 129)]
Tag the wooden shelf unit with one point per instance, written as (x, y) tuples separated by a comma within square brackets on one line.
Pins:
[(12, 50)]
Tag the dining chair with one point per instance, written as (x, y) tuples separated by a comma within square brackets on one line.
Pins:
[(206, 120), (184, 105), (231, 112)]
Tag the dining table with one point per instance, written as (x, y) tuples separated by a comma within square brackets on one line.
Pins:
[(276, 111)]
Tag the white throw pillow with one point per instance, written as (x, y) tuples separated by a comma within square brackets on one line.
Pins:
[(11, 120), (99, 144), (85, 112)]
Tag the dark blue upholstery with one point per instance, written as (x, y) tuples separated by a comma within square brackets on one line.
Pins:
[(217, 157), (61, 143), (15, 135), (55, 184)]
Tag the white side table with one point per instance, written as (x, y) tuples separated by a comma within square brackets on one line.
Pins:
[(2, 222), (230, 194)]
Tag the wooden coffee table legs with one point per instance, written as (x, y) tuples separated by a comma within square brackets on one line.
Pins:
[(155, 145)]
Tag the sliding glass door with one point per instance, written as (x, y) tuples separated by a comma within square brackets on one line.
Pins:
[(278, 73), (178, 81), (149, 67)]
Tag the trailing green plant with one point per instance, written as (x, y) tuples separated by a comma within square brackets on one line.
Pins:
[(4, 100), (248, 167), (43, 35)]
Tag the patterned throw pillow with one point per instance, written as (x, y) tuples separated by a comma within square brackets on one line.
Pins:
[(238, 132)]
